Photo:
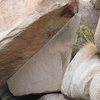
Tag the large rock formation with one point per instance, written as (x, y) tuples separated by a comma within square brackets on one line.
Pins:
[(81, 79), (44, 71), (25, 26)]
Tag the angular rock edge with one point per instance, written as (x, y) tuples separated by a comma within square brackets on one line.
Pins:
[(16, 83)]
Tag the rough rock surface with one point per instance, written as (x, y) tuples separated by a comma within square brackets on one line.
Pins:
[(89, 15), (80, 80), (95, 87), (97, 37), (96, 4), (44, 71), (25, 26), (53, 97)]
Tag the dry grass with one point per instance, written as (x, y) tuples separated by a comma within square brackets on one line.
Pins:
[(84, 35)]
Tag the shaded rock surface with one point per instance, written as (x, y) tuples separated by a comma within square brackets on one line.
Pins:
[(25, 26), (89, 15), (97, 37), (44, 71), (96, 4)]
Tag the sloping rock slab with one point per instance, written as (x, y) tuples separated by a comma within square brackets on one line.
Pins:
[(25, 26), (44, 71)]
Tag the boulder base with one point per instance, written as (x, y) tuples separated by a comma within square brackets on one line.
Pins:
[(53, 97)]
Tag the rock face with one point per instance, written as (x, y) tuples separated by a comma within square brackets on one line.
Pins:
[(25, 26), (89, 15), (96, 4), (81, 80), (97, 37), (53, 97), (44, 71), (95, 87)]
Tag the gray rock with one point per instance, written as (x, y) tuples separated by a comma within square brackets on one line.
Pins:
[(89, 15), (5, 94), (97, 37), (95, 87), (96, 4), (26, 26), (53, 97), (44, 71), (81, 73)]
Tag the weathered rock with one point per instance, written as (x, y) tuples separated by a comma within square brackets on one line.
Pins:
[(97, 37), (44, 71), (93, 1), (89, 15), (25, 26), (53, 97), (95, 87), (81, 73), (96, 4)]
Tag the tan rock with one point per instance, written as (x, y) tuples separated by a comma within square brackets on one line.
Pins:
[(44, 71), (25, 26)]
